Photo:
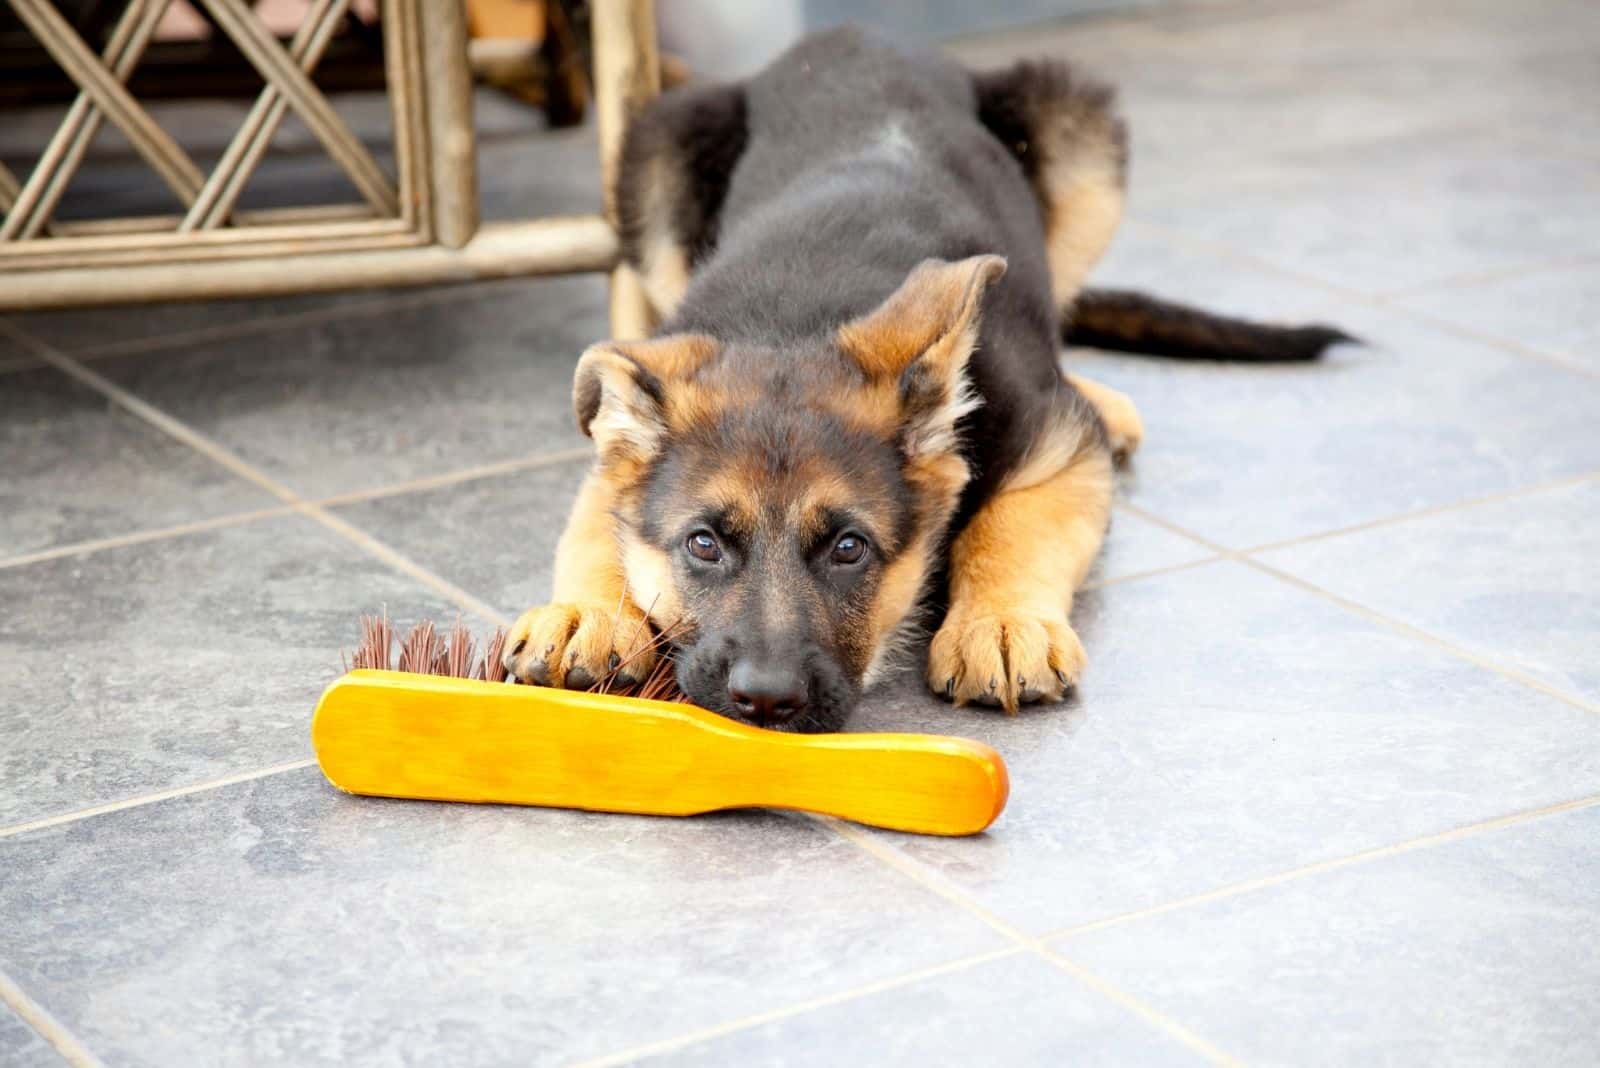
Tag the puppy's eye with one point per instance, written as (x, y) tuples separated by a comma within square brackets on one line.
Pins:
[(702, 545), (849, 549)]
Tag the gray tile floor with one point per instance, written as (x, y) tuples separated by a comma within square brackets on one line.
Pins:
[(1330, 792)]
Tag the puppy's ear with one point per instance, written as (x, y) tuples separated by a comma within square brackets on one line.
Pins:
[(921, 337), (620, 390)]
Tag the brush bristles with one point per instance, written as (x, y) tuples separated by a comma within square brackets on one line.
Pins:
[(424, 651), (493, 668), (460, 655), (377, 639), (421, 650)]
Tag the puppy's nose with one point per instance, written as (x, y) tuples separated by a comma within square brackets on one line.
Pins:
[(767, 694)]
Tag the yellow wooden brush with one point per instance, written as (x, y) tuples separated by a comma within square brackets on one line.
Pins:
[(445, 738)]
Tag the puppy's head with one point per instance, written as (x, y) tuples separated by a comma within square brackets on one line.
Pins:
[(782, 510)]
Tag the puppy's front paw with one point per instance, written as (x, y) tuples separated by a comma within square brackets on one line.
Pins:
[(1005, 658), (576, 645)]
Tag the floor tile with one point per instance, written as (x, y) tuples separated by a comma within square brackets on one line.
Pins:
[(493, 537), (172, 662), (1478, 951), (1415, 418), (78, 467), (1019, 1010), (1134, 545), (142, 327), (1551, 311), (295, 924), (1516, 581), (13, 355), (1215, 94), (1404, 213), (21, 1046), (1142, 260), (1231, 727), (354, 403), (555, 173)]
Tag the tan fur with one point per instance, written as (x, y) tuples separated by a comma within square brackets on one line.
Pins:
[(925, 318), (897, 597), (648, 574), (665, 274), (1086, 201), (1013, 571), (611, 406), (1124, 428), (931, 321), (663, 261), (1069, 434), (591, 618), (632, 317), (1081, 186)]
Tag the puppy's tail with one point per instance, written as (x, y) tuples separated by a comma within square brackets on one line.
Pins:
[(1124, 321)]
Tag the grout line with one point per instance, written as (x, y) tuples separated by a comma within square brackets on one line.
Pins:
[(267, 324), (119, 541), (1222, 551), (1424, 513), (1132, 1004), (1390, 302), (1496, 274), (931, 881), (222, 456), (1418, 633), (160, 795), (452, 478), (742, 1023), (906, 865), (1228, 253), (1154, 572), (71, 1049), (152, 415), (897, 860), (1372, 615), (1321, 867), (1516, 348), (404, 564)]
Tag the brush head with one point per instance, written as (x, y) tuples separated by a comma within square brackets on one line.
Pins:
[(453, 654)]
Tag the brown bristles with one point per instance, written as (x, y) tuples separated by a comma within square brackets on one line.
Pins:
[(460, 654), (420, 650), (493, 668), (424, 651), (377, 641)]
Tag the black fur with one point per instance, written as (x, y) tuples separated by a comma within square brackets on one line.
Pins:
[(704, 132), (1018, 102), (862, 159), (1133, 322), (701, 132)]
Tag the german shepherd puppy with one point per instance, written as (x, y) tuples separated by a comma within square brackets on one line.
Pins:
[(863, 260)]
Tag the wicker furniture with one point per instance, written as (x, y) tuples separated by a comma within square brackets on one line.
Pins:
[(418, 226)]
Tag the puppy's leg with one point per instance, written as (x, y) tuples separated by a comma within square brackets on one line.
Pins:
[(1065, 132), (1013, 571), (1124, 428), (677, 159), (592, 625)]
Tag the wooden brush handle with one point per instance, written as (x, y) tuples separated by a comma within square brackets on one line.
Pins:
[(396, 734)]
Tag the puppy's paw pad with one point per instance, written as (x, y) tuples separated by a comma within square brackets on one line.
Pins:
[(1005, 659), (575, 645)]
